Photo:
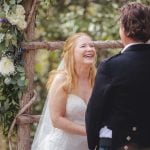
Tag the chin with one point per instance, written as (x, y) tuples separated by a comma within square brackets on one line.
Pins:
[(89, 62)]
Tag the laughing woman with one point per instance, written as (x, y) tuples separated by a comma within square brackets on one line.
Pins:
[(62, 125)]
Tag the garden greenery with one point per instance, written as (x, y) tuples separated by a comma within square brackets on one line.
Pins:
[(12, 75), (72, 16)]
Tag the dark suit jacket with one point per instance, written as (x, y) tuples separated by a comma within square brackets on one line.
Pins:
[(121, 99)]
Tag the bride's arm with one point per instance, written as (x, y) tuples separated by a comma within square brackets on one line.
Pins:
[(58, 100)]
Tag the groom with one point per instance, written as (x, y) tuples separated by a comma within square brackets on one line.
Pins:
[(117, 116)]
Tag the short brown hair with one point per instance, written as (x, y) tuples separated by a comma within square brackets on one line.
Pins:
[(135, 19)]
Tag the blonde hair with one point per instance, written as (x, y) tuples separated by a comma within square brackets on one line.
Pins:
[(69, 62)]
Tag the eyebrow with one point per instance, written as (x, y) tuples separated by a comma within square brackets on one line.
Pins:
[(87, 43)]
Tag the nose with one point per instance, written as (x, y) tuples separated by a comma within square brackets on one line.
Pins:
[(89, 48)]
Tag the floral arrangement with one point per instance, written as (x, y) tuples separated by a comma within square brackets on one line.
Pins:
[(12, 75)]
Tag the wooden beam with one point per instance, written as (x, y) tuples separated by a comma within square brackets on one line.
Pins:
[(108, 44), (27, 119), (23, 132), (59, 45), (42, 45)]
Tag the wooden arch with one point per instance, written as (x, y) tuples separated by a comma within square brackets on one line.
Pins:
[(24, 119)]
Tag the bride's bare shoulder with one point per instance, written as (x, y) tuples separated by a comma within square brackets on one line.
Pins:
[(58, 80), (60, 77), (58, 86)]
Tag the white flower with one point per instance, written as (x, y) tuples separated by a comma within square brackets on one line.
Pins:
[(6, 66), (22, 25), (20, 9), (17, 18)]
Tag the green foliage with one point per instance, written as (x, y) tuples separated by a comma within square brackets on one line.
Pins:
[(57, 19), (10, 93), (12, 75)]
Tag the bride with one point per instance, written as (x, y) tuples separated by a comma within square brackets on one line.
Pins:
[(62, 124)]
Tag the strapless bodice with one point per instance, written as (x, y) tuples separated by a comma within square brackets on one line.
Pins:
[(75, 109), (61, 140)]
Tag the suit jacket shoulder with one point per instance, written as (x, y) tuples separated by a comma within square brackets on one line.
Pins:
[(105, 66)]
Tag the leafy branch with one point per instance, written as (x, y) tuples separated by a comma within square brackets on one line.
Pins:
[(12, 75)]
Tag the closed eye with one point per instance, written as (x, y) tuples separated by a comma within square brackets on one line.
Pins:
[(83, 46), (91, 45)]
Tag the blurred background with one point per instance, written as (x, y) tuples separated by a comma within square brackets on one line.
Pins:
[(58, 19)]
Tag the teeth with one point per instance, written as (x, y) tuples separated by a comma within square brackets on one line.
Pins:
[(89, 56)]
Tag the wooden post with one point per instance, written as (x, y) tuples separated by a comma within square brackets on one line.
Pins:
[(23, 132)]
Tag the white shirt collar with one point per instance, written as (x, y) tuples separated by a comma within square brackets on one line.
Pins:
[(128, 45)]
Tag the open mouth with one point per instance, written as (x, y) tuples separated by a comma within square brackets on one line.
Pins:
[(88, 55)]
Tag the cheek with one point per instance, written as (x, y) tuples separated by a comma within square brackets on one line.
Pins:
[(94, 52), (78, 53), (120, 33), (78, 57)]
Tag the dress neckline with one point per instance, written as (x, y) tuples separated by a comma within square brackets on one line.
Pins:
[(84, 101)]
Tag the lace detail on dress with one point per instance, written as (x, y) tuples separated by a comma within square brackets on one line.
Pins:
[(60, 140), (75, 109)]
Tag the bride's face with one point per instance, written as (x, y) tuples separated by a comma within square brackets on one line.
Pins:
[(84, 52)]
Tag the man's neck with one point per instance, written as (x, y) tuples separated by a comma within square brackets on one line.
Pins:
[(128, 41)]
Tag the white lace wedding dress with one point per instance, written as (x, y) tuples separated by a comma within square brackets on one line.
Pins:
[(60, 140)]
